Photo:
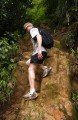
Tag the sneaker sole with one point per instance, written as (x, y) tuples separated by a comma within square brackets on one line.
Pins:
[(31, 98), (48, 73)]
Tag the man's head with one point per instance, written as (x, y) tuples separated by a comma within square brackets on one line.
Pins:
[(28, 26)]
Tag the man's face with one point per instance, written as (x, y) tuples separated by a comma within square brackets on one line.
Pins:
[(28, 28)]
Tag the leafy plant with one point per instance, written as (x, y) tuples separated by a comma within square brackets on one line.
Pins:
[(69, 40), (13, 14), (8, 50), (74, 96), (37, 12), (61, 12)]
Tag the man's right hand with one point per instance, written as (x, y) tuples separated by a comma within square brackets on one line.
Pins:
[(40, 56)]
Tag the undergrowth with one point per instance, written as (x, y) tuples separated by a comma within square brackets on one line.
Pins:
[(8, 50)]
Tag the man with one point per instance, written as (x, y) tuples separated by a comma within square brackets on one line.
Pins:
[(38, 56)]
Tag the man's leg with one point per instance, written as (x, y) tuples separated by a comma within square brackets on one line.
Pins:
[(31, 73), (23, 62), (28, 62)]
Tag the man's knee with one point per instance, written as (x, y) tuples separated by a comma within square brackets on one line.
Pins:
[(28, 62), (31, 67)]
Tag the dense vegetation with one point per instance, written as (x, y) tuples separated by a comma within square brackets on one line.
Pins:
[(14, 13), (12, 17)]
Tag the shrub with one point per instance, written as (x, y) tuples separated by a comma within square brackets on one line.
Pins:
[(8, 49), (69, 40)]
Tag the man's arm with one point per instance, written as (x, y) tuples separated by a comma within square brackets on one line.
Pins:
[(39, 40)]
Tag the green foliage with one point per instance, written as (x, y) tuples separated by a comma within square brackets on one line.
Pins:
[(37, 12), (69, 40), (8, 50), (73, 65), (74, 96), (75, 54), (62, 12), (13, 14)]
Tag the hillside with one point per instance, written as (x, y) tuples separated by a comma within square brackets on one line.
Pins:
[(54, 101)]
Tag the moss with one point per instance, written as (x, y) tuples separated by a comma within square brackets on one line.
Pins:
[(51, 90), (57, 44), (75, 113)]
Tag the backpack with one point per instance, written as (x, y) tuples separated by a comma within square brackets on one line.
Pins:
[(47, 39)]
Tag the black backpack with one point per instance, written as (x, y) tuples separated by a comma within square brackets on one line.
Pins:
[(47, 39)]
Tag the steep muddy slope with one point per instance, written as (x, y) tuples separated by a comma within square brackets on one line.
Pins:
[(53, 102)]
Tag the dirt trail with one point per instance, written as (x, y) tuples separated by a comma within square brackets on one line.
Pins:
[(53, 102)]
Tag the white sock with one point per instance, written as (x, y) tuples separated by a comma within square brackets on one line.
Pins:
[(32, 91), (44, 67)]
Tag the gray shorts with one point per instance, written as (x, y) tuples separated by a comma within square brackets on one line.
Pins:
[(34, 58)]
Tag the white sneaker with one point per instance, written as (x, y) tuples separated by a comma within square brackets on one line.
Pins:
[(46, 71), (30, 96)]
